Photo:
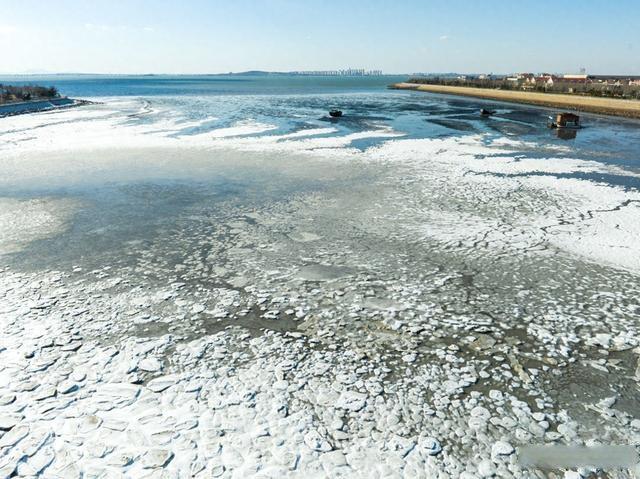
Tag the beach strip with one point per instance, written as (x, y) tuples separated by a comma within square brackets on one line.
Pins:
[(605, 106)]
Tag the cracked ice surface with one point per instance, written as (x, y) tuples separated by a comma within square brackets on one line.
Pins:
[(411, 310)]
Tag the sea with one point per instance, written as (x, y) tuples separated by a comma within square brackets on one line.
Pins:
[(292, 103)]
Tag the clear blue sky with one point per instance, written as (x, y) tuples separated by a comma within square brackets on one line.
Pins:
[(200, 36)]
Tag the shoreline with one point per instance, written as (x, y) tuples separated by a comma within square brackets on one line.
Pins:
[(603, 106)]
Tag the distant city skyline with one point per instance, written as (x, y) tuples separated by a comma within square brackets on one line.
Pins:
[(199, 36)]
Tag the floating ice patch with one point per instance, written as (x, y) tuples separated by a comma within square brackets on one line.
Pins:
[(600, 223), (301, 142), (502, 212), (319, 272), (304, 236), (305, 133), (241, 128), (384, 304), (24, 221)]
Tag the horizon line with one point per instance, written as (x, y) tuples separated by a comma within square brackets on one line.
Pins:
[(295, 72), (192, 73)]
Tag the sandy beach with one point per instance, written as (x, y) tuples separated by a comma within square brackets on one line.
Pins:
[(605, 106)]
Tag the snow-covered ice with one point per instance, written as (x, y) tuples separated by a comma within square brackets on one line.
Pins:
[(419, 308)]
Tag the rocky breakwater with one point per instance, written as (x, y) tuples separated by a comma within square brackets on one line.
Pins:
[(40, 106)]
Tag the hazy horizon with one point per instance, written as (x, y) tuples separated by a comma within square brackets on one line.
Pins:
[(200, 37), (124, 74)]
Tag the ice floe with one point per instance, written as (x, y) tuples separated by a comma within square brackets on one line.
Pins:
[(428, 322)]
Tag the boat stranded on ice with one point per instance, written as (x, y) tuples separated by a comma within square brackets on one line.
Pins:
[(564, 120)]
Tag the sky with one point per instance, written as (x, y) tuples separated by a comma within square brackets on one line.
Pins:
[(401, 36)]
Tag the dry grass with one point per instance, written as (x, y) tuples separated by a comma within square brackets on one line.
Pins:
[(606, 106)]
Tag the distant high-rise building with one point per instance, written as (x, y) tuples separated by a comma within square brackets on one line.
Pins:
[(357, 72)]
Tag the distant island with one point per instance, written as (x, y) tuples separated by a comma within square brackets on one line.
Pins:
[(617, 95), (22, 99)]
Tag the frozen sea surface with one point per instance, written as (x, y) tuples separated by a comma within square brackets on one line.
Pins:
[(212, 287)]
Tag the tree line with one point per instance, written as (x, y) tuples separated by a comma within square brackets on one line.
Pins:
[(13, 93)]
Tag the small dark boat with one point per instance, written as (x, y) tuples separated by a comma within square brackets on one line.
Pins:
[(564, 120), (335, 113), (485, 112)]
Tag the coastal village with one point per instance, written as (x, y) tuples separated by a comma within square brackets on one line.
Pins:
[(529, 80), (614, 86), (532, 79)]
